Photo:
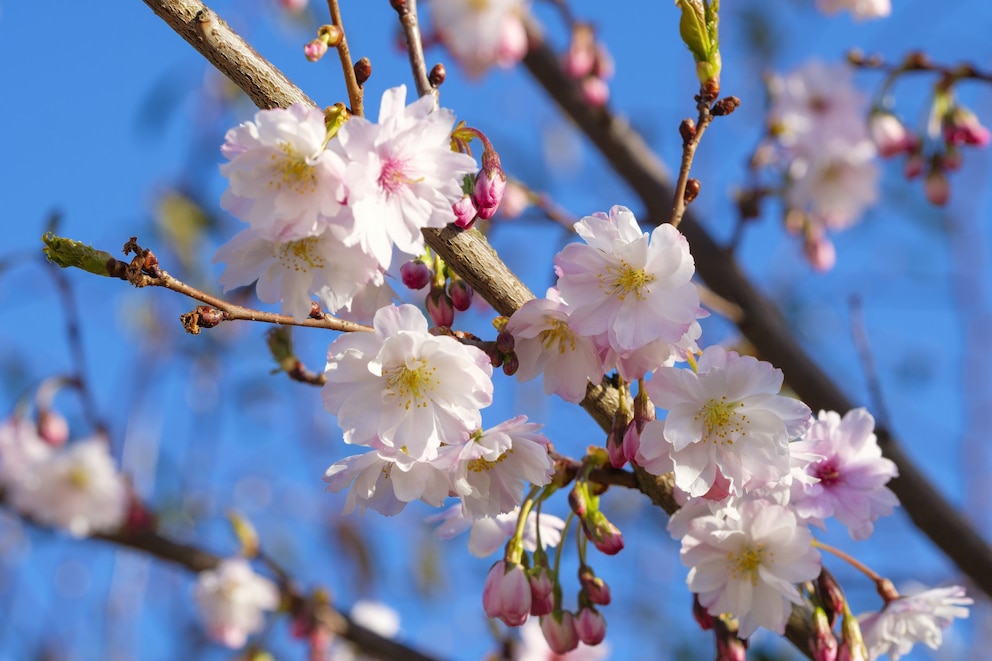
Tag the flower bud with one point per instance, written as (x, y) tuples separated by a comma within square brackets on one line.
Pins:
[(590, 626), (52, 428), (890, 135), (936, 187), (560, 632), (511, 364), (728, 646), (505, 341), (960, 126), (606, 536), (703, 617), (594, 587), (415, 274), (315, 50), (460, 293), (831, 595), (819, 251), (914, 165), (824, 643), (465, 212), (507, 593), (439, 307), (541, 591), (490, 184)]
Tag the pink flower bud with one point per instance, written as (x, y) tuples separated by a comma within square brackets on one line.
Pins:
[(52, 428), (490, 184), (511, 364), (594, 587), (590, 626), (439, 307), (614, 446), (830, 595), (506, 594), (461, 295), (890, 135), (560, 634), (541, 591), (819, 251), (465, 212), (703, 617), (937, 190), (294, 6), (578, 61), (824, 643), (914, 165), (961, 127), (595, 91), (415, 274), (315, 50), (606, 536)]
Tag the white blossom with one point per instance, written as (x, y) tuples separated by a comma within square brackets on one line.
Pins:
[(405, 388), (908, 620), (481, 34), (232, 599)]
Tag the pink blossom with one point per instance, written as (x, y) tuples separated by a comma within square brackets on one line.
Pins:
[(506, 594), (862, 9), (232, 599), (890, 135), (635, 288), (559, 632), (488, 534), (405, 388), (545, 343), (590, 626), (727, 418), (748, 564), (481, 35), (908, 620), (852, 474), (533, 647)]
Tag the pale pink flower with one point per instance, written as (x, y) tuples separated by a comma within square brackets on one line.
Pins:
[(385, 480), (22, 449), (749, 566), (862, 9), (76, 488), (545, 344), (634, 287), (401, 174), (908, 620), (481, 34), (232, 599), (638, 363), (727, 418), (559, 631), (533, 647), (281, 179), (488, 534), (404, 387), (890, 135), (816, 104), (289, 272), (836, 183), (851, 476), (491, 468)]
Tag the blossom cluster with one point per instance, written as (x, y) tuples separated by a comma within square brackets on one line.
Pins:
[(481, 34), (329, 203)]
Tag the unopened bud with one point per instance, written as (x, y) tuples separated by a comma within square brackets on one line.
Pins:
[(936, 187), (559, 632), (590, 626), (725, 106), (331, 35), (692, 187), (511, 364), (595, 588), (461, 294), (415, 274), (439, 307), (208, 316), (831, 595), (465, 212), (702, 616), (687, 129), (363, 70), (437, 75), (823, 645), (505, 341), (52, 428)]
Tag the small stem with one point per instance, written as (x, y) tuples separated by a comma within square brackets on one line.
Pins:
[(407, 10), (564, 532), (514, 547), (355, 94), (857, 564), (688, 152)]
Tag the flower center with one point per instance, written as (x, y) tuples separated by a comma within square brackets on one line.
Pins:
[(480, 465), (77, 478), (393, 177), (627, 279), (828, 472), (293, 170), (411, 386), (559, 334), (300, 255), (744, 563), (721, 421)]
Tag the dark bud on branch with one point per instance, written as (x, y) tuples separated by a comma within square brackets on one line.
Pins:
[(398, 5), (437, 75), (363, 70), (687, 129), (725, 106), (691, 190)]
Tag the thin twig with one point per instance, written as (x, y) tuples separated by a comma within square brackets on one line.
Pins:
[(689, 145), (355, 93), (407, 10)]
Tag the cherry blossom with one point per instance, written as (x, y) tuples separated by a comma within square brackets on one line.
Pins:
[(862, 9), (632, 286), (481, 35), (405, 388), (506, 594), (850, 477), (817, 103), (545, 344), (908, 620), (291, 271), (726, 419), (491, 468), (232, 599), (281, 179), (748, 564), (401, 174), (533, 647), (835, 183)]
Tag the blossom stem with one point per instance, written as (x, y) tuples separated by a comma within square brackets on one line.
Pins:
[(515, 547), (407, 10), (355, 94), (857, 564), (564, 533)]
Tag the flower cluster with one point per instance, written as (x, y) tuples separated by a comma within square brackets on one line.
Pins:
[(232, 600), (328, 203), (817, 116)]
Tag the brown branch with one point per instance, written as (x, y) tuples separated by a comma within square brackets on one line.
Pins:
[(761, 321), (407, 10), (355, 93)]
